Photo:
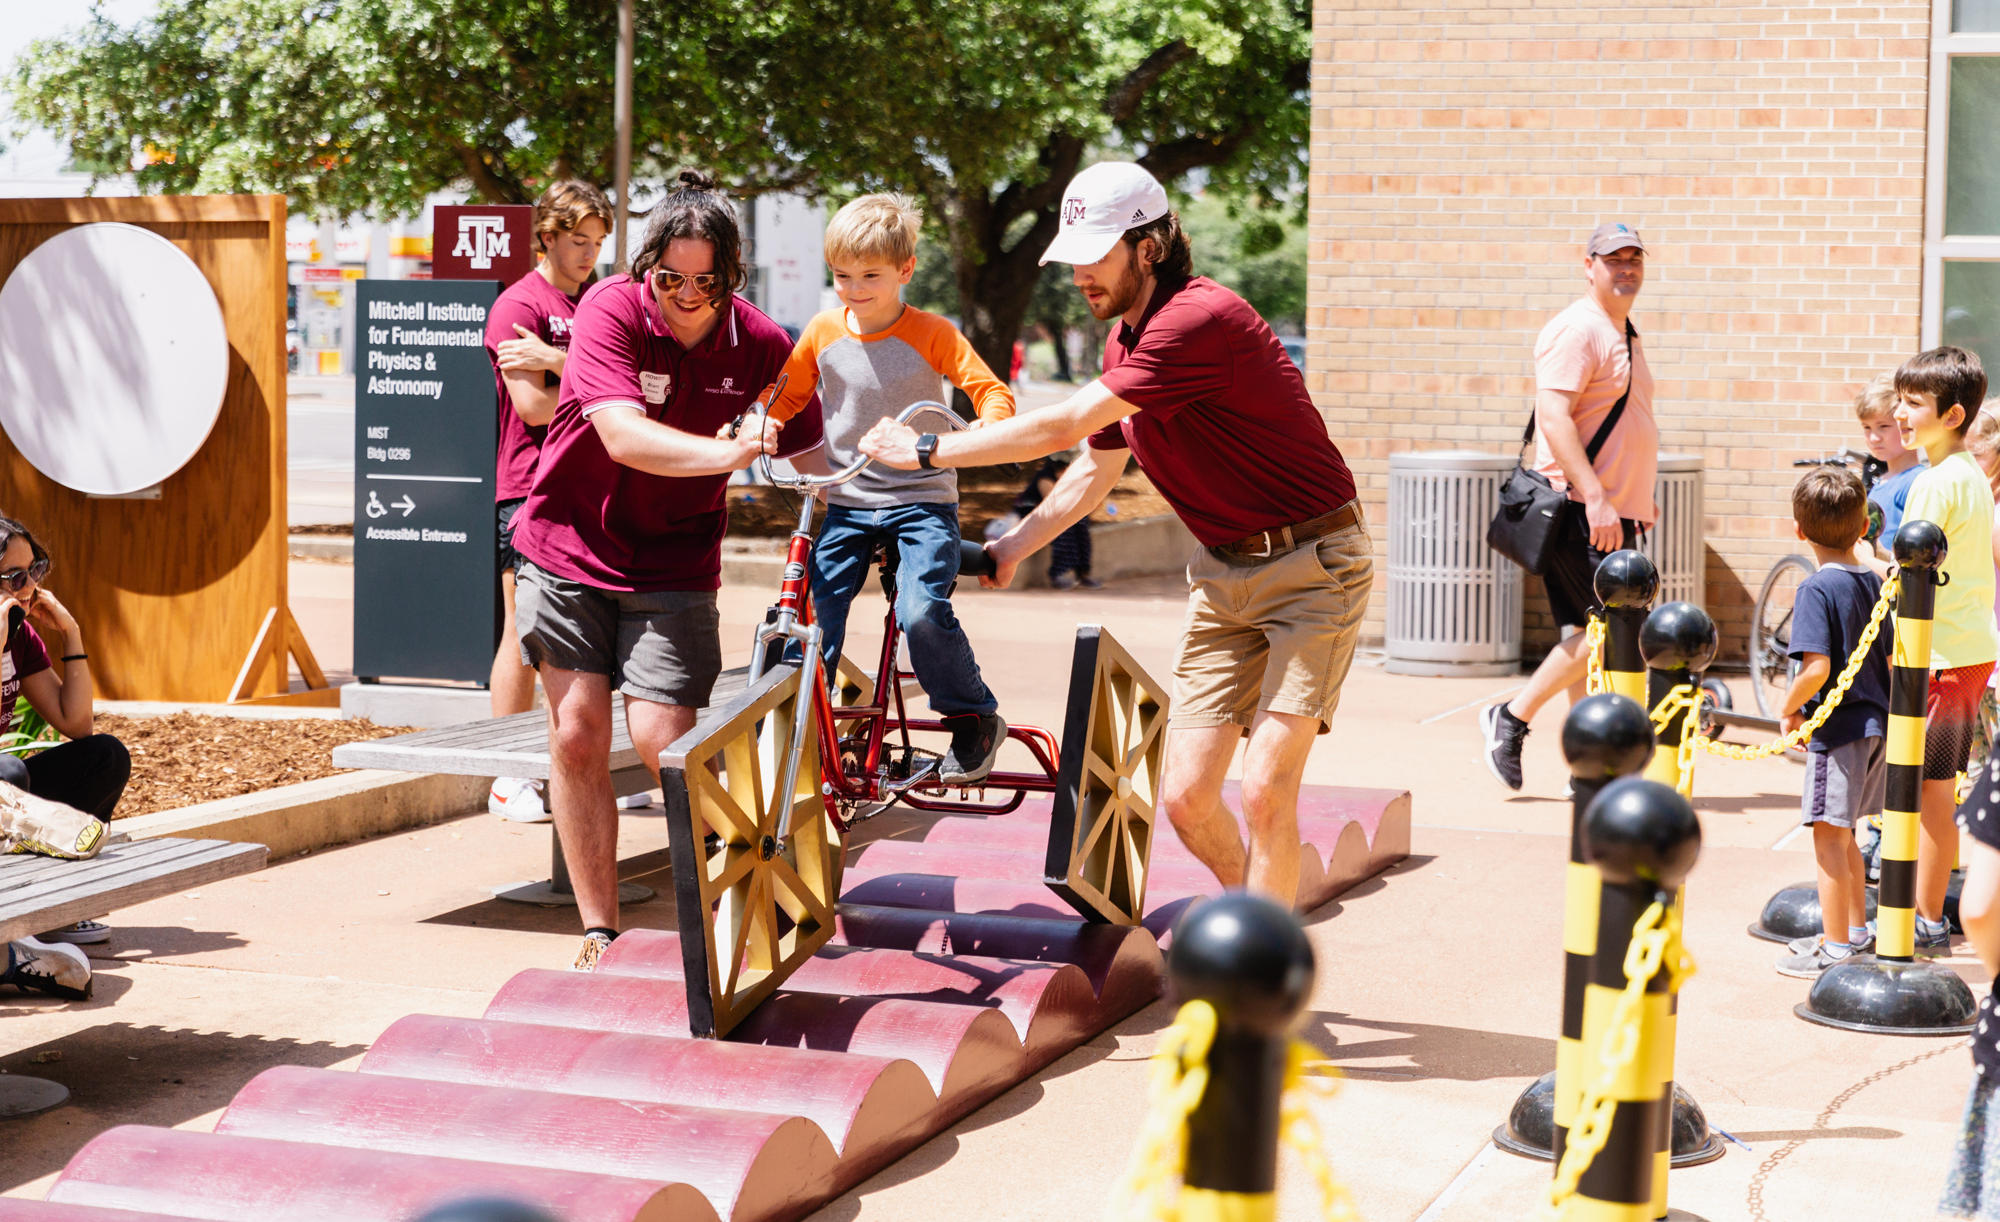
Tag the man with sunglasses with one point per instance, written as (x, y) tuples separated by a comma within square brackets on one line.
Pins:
[(621, 535)]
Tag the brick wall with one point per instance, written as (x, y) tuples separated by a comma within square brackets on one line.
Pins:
[(1772, 155)]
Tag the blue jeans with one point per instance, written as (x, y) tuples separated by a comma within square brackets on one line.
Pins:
[(926, 537)]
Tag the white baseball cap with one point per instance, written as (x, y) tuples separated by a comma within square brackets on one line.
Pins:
[(1099, 205)]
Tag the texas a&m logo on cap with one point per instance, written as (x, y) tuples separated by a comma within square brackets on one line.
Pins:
[(1073, 210), (490, 242)]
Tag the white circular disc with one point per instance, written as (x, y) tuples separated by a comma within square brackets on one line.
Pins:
[(113, 358)]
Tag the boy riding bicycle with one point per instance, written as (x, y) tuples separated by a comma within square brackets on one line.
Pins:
[(870, 359)]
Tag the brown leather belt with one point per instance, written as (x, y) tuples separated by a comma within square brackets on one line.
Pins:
[(1284, 538)]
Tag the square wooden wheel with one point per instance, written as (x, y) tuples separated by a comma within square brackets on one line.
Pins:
[(758, 904), (1114, 742)]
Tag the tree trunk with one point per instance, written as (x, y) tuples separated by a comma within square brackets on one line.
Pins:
[(1058, 338)]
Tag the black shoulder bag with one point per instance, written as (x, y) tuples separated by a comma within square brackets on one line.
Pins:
[(1525, 526)]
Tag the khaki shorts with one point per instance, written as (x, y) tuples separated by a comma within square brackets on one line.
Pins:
[(1275, 633)]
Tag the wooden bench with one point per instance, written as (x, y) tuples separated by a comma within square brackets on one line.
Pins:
[(519, 746), (41, 893)]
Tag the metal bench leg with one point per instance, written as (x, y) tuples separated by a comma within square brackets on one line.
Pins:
[(556, 892)]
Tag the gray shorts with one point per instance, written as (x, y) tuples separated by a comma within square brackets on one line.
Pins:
[(663, 647), (1845, 785)]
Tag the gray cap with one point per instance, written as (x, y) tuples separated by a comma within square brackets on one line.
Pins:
[(1610, 236)]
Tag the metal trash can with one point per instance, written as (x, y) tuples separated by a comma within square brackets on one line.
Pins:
[(1454, 603), (1677, 545)]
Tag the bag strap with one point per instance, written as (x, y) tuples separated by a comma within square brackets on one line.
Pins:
[(1596, 446)]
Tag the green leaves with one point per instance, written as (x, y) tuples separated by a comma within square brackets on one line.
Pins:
[(985, 108)]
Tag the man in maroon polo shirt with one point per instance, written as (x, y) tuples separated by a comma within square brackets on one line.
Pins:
[(527, 339), (1198, 388), (621, 535)]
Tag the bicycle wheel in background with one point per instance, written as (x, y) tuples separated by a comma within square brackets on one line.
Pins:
[(1771, 667)]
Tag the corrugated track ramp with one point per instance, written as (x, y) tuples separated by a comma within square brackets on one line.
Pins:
[(956, 975)]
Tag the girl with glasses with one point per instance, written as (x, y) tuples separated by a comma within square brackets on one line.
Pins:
[(87, 770)]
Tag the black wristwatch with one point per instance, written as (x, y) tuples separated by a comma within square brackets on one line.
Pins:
[(926, 446)]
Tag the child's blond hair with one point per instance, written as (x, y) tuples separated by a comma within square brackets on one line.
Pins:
[(879, 228), (1984, 435), (1876, 399)]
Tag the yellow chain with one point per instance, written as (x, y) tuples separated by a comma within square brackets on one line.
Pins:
[(1180, 1074), (1656, 943), (1303, 1072), (1688, 698), (1593, 650), (1149, 1191)]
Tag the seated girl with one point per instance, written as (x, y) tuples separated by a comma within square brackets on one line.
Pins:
[(89, 770)]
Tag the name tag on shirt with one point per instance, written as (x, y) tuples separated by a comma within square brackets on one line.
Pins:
[(655, 386)]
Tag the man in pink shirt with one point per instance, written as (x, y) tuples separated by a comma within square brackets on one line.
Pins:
[(1587, 360)]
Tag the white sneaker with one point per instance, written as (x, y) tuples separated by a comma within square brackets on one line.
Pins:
[(83, 933), (52, 968), (636, 801), (518, 799)]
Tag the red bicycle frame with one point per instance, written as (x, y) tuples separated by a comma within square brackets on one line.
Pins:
[(871, 783)]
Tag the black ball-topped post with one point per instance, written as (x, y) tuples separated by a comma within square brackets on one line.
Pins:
[(1248, 958), (1678, 641), (1643, 838), (1626, 583)]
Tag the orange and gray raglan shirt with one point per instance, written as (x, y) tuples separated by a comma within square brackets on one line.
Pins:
[(866, 378)]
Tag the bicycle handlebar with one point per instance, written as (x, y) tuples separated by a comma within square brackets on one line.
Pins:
[(806, 483)]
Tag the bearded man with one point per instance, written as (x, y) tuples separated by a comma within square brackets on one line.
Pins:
[(1199, 390)]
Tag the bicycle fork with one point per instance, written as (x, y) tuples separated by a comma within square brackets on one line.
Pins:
[(786, 626)]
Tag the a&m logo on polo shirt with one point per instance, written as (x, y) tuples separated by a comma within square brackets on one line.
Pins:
[(728, 387), (481, 239), (1073, 210)]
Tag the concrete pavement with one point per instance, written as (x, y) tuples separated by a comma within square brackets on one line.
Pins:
[(1437, 992)]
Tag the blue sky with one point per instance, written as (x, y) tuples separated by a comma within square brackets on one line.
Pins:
[(35, 153)]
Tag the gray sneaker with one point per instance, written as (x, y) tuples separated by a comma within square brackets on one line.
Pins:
[(976, 740), (1809, 965), (1800, 946), (1504, 734), (1933, 945)]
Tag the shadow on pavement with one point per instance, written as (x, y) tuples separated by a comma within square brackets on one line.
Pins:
[(1429, 1051), (119, 1073)]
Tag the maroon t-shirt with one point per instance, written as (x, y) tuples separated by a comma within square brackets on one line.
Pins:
[(593, 520), (25, 655), (1225, 429), (545, 311)]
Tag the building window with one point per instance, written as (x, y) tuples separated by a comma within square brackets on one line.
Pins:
[(1962, 204)]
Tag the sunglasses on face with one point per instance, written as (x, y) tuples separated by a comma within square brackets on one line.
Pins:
[(16, 580), (671, 283)]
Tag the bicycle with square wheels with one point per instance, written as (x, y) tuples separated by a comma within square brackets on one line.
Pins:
[(760, 801)]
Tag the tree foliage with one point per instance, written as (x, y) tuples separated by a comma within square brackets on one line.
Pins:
[(984, 108)]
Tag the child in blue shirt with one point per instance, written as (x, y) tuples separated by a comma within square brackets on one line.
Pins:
[(1846, 763)]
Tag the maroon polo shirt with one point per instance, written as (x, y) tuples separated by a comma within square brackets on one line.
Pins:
[(545, 311), (1225, 429), (593, 520)]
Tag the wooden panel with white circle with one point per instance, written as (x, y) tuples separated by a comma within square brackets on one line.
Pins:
[(113, 358)]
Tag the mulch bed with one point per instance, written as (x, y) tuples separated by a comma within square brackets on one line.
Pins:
[(184, 758)]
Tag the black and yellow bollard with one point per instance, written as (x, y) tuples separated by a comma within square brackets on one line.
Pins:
[(1249, 959), (1678, 642), (1643, 838), (1605, 737), (1892, 993), (1626, 583)]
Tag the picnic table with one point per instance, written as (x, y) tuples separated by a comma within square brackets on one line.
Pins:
[(41, 893), (518, 745)]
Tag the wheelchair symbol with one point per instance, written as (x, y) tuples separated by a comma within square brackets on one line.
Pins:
[(376, 508)]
